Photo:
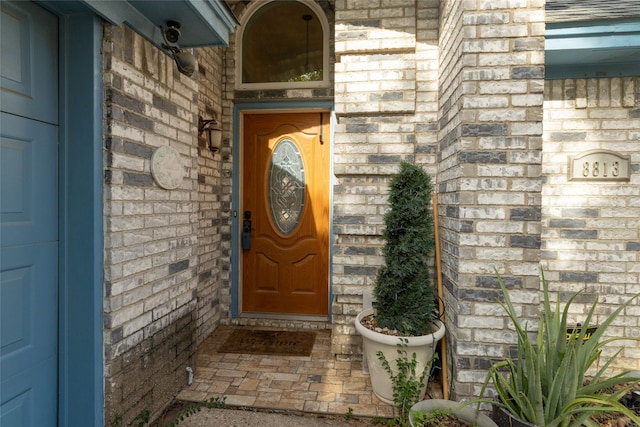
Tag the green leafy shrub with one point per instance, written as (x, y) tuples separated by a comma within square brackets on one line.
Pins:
[(407, 383), (194, 408)]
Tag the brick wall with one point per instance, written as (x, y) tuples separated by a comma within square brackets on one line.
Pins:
[(489, 155), (211, 189), (386, 108), (591, 230), (151, 234), (449, 172)]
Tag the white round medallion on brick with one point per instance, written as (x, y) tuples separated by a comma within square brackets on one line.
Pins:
[(166, 167)]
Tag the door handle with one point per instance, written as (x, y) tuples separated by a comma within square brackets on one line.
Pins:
[(246, 231)]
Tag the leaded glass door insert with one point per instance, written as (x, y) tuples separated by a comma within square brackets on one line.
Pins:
[(286, 186)]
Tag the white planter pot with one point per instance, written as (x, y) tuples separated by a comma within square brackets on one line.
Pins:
[(464, 413), (424, 347)]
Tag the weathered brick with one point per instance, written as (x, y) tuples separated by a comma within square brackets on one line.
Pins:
[(633, 246), (567, 223), (524, 242), (136, 149), (484, 129), (124, 100), (359, 250), (137, 179), (572, 276), (165, 105), (360, 271), (362, 128), (483, 157), (528, 44), (579, 234), (527, 72), (568, 136), (178, 266), (492, 282), (349, 219), (580, 213), (525, 214), (383, 159)]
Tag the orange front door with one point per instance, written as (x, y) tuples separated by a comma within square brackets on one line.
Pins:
[(285, 213)]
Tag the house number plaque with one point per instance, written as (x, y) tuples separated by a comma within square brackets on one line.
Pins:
[(599, 165)]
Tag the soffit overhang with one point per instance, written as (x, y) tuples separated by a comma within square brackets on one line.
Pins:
[(203, 22), (592, 38)]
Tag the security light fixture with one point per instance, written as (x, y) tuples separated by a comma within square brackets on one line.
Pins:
[(185, 61), (172, 33)]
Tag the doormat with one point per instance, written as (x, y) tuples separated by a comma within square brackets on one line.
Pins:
[(277, 343)]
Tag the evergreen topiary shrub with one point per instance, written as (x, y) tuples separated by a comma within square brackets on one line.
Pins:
[(404, 295)]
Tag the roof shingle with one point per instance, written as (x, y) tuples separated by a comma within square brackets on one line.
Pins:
[(591, 10)]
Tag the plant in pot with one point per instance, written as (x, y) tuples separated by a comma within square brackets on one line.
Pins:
[(408, 386), (447, 413), (404, 298), (554, 379)]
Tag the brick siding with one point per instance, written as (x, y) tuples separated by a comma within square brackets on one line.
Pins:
[(386, 108), (591, 230), (491, 70), (211, 217), (151, 234)]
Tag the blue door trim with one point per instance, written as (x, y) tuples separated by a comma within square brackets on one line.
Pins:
[(81, 363), (275, 107)]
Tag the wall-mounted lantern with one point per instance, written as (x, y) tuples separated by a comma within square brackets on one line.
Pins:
[(213, 132)]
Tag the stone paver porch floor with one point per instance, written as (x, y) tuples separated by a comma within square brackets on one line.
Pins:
[(314, 384)]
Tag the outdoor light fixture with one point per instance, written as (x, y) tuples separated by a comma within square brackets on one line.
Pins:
[(185, 61), (214, 132)]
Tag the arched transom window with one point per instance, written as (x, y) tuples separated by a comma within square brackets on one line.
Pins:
[(284, 45)]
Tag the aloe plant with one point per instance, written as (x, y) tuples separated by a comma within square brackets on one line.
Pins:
[(547, 382)]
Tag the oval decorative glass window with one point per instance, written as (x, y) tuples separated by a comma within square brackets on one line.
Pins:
[(286, 186)]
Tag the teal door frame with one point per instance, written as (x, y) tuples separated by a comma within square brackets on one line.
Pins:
[(81, 364)]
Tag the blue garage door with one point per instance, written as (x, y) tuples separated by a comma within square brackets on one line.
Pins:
[(28, 215)]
